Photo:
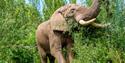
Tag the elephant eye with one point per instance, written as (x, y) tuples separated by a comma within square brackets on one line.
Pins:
[(72, 10)]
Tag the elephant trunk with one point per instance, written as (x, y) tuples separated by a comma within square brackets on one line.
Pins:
[(93, 11)]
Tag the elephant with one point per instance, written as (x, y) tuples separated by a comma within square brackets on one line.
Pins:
[(50, 37)]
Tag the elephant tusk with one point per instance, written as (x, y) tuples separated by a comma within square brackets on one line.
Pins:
[(82, 22), (100, 25)]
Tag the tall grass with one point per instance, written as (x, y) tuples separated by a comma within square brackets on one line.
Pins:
[(18, 22)]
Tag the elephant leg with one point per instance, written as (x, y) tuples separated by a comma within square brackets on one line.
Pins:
[(97, 25), (56, 47), (42, 53), (69, 50), (51, 58)]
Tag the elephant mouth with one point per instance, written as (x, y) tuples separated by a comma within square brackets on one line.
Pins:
[(83, 22)]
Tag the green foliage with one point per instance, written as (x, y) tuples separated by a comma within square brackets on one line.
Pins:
[(18, 22)]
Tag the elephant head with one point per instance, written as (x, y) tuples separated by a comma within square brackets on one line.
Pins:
[(82, 15)]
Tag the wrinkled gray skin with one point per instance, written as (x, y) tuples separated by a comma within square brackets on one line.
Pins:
[(49, 34)]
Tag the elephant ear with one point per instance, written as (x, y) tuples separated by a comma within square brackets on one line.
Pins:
[(58, 23)]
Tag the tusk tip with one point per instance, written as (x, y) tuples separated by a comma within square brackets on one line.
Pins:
[(94, 19), (108, 24)]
